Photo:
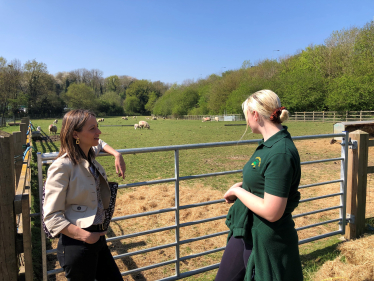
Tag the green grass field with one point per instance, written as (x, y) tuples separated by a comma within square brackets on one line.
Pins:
[(143, 167)]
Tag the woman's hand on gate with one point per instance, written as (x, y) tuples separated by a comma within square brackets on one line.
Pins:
[(230, 195)]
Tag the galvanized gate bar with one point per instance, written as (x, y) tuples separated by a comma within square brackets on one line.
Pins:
[(321, 161), (319, 183), (317, 224), (321, 197), (315, 212)]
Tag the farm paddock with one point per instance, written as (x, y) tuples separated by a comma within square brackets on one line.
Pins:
[(210, 160)]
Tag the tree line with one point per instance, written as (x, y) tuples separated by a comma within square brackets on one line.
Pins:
[(32, 87), (337, 75)]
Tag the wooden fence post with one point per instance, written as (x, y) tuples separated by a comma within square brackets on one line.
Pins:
[(304, 116), (8, 255), (323, 116), (356, 184), (18, 153), (346, 116), (23, 129), (313, 115), (360, 115)]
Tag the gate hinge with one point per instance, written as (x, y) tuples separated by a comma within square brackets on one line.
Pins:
[(352, 144), (350, 219)]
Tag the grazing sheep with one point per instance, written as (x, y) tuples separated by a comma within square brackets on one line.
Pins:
[(136, 126), (206, 119), (154, 118), (55, 122), (125, 118), (36, 135), (216, 118), (144, 124), (52, 129), (100, 120), (39, 129), (134, 117)]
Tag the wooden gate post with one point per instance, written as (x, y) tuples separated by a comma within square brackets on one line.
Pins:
[(18, 152), (356, 184), (8, 255), (23, 128)]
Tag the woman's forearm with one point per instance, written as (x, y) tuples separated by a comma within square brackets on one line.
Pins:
[(270, 207), (108, 149), (75, 232)]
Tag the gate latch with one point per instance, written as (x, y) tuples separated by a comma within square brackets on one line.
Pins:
[(352, 144), (350, 218)]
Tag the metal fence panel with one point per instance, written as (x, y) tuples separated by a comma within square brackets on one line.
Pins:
[(47, 157)]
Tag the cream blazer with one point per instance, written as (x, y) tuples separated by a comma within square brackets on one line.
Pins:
[(70, 193)]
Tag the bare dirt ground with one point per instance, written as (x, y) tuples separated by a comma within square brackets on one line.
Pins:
[(148, 198)]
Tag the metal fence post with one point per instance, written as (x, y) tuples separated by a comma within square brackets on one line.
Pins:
[(43, 238), (343, 184), (177, 249)]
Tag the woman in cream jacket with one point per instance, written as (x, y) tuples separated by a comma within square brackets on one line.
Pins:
[(76, 196)]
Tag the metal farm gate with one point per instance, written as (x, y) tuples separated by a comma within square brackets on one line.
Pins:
[(47, 158)]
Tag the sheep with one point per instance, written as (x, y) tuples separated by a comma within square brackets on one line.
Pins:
[(163, 117), (100, 120), (36, 135), (39, 129), (55, 122), (136, 126), (144, 124), (206, 119), (134, 117), (216, 118), (52, 128), (154, 118), (125, 118)]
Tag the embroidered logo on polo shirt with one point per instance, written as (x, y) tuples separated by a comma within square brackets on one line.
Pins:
[(257, 162)]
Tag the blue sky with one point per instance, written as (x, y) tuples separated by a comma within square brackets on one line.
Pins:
[(168, 41)]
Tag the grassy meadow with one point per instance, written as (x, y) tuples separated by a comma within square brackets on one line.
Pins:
[(150, 166)]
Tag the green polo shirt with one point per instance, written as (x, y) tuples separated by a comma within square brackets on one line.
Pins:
[(273, 168)]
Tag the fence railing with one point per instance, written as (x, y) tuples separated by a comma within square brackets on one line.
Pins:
[(15, 223), (47, 158), (332, 116)]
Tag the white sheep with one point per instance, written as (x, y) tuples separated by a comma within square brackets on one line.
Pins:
[(216, 118), (100, 120), (55, 122), (124, 118), (206, 119), (39, 129), (154, 118), (136, 126), (52, 128), (144, 124)]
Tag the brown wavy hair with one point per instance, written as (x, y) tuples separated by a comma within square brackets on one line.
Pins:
[(74, 120)]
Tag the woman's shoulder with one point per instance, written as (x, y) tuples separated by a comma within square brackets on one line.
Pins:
[(62, 161)]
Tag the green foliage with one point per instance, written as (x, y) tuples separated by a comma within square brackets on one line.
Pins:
[(131, 105), (80, 96), (111, 104)]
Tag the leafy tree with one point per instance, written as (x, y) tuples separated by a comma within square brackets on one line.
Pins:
[(80, 96)]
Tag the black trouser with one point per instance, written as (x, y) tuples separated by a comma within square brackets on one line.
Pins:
[(234, 260), (82, 261)]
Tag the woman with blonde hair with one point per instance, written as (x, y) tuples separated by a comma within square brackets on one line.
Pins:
[(79, 200), (262, 242)]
